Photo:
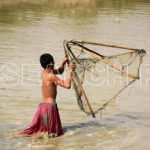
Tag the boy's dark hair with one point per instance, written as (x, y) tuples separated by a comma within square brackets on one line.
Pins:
[(46, 59)]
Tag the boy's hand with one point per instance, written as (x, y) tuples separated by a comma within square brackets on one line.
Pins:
[(65, 59), (71, 66)]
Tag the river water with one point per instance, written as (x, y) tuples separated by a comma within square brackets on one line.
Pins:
[(29, 28)]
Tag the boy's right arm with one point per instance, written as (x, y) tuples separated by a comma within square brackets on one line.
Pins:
[(67, 83)]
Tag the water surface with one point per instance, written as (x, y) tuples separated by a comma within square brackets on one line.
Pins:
[(31, 27)]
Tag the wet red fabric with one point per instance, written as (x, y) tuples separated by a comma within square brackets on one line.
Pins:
[(46, 119)]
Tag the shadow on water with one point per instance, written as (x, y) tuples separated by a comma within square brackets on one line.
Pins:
[(16, 12), (122, 120)]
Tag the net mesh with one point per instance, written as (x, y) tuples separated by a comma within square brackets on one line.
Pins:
[(99, 79)]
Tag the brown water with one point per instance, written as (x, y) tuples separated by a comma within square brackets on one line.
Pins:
[(29, 28)]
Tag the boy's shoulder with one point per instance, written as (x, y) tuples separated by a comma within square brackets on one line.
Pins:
[(49, 76)]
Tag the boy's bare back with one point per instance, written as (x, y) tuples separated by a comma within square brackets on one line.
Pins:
[(49, 88), (50, 81)]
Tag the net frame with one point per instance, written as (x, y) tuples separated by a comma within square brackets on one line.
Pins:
[(71, 57)]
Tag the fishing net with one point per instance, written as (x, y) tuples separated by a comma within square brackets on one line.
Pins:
[(99, 77)]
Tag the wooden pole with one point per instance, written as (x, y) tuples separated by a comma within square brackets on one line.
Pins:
[(108, 45), (104, 105), (85, 97), (97, 57), (80, 85)]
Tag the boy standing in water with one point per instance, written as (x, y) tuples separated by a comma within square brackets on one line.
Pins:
[(47, 117)]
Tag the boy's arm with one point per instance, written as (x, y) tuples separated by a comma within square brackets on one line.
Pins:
[(67, 83), (60, 70)]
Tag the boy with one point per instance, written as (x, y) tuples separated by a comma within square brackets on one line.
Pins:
[(47, 117)]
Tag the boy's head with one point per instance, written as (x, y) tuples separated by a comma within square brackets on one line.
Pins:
[(46, 60)]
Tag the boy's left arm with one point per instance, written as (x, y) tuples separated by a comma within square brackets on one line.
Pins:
[(60, 70)]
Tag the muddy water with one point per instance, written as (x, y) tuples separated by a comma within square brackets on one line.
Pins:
[(31, 27)]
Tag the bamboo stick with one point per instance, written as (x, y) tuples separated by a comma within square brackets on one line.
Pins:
[(85, 97), (104, 105), (97, 57), (108, 45), (80, 85)]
